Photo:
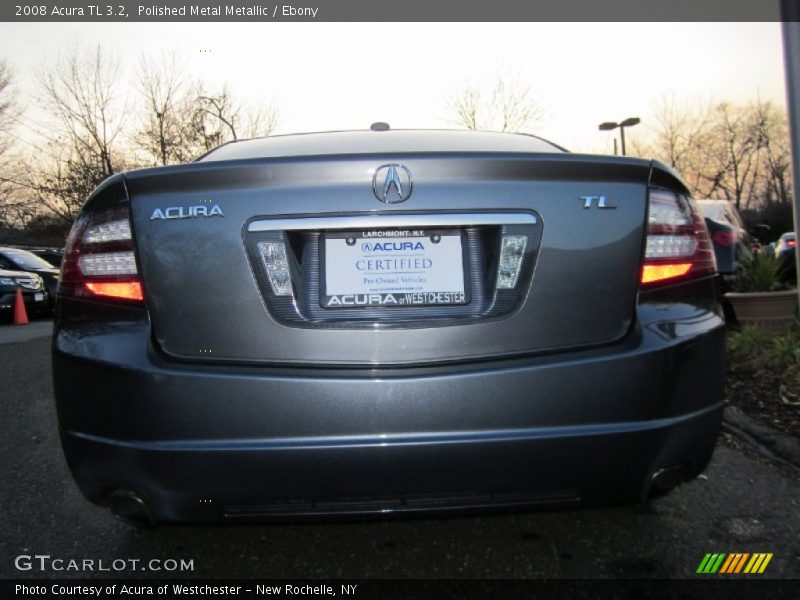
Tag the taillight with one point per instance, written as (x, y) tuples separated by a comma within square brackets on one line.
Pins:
[(791, 243), (99, 261), (678, 246), (725, 238)]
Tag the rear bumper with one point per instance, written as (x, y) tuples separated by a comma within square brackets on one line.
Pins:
[(424, 473), (231, 443)]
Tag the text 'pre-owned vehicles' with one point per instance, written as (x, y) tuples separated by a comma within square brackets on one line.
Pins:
[(386, 321)]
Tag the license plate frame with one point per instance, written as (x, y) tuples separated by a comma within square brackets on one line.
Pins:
[(397, 298)]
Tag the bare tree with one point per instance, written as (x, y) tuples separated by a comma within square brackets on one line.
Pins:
[(504, 105), (81, 90), (63, 183), (217, 117), (183, 120), (90, 133), (678, 132), (84, 140), (465, 107), (260, 120), (733, 151), (16, 206), (212, 117), (162, 134), (222, 110), (776, 156), (737, 152), (9, 110)]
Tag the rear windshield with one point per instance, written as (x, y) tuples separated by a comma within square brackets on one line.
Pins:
[(719, 211), (370, 142)]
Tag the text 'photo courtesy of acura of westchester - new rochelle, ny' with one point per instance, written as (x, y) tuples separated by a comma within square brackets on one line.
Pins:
[(387, 321)]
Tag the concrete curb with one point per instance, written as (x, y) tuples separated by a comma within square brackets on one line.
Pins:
[(770, 443)]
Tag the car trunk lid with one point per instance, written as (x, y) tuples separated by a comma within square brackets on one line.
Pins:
[(201, 230)]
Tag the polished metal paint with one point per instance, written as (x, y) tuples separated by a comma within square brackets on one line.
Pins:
[(632, 382), (583, 290)]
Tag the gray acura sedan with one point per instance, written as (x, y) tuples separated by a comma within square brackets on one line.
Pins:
[(385, 322)]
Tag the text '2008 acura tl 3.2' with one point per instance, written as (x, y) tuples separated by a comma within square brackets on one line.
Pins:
[(386, 321)]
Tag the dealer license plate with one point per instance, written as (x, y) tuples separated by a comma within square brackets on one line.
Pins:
[(393, 268)]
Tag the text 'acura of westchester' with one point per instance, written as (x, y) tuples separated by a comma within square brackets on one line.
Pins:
[(383, 322)]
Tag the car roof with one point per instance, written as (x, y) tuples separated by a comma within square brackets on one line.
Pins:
[(395, 141), (788, 235), (12, 249)]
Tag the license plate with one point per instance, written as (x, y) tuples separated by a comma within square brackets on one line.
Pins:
[(38, 297), (393, 268)]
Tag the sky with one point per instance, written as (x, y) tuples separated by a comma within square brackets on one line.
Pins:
[(330, 76)]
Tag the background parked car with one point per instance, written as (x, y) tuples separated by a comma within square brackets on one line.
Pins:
[(34, 294), (728, 234), (54, 257), (785, 252), (16, 259)]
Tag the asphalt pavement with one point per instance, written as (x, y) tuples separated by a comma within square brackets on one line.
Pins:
[(743, 503), (22, 333)]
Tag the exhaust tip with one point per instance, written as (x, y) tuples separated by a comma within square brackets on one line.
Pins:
[(664, 480), (132, 507)]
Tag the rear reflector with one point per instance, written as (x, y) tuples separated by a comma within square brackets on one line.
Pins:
[(512, 251), (99, 261), (678, 245)]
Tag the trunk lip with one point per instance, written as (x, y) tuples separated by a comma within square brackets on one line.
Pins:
[(134, 175)]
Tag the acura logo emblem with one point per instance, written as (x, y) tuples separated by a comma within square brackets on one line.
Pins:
[(392, 183)]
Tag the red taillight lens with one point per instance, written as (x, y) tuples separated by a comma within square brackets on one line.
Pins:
[(99, 262), (725, 238), (791, 243), (678, 244)]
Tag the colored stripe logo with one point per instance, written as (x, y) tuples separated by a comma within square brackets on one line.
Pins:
[(734, 562)]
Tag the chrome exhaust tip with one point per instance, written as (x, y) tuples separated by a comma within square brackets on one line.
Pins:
[(666, 479), (133, 507)]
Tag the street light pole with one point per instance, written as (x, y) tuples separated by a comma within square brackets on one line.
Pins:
[(610, 125)]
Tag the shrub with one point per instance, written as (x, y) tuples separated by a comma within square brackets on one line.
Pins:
[(759, 272)]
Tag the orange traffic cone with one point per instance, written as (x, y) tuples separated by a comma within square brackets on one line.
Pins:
[(20, 314)]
